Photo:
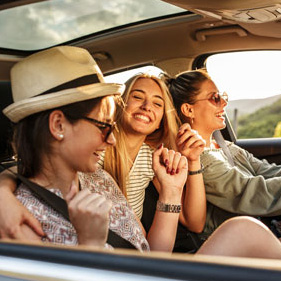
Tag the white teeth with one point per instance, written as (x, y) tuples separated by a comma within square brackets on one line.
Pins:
[(139, 116)]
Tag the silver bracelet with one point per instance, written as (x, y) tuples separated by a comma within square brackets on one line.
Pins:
[(168, 208), (200, 171)]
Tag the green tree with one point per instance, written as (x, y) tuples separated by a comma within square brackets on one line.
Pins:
[(261, 123)]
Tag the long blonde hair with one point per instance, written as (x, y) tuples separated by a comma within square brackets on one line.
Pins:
[(117, 160)]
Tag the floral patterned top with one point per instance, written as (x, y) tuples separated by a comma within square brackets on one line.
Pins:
[(60, 231), (122, 217)]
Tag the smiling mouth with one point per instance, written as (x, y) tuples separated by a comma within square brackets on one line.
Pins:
[(144, 118), (220, 115)]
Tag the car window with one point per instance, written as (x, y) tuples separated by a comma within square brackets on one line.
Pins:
[(48, 23), (252, 81)]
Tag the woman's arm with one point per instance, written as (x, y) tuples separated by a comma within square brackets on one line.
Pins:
[(191, 145), (237, 190), (161, 236), (13, 215), (260, 167)]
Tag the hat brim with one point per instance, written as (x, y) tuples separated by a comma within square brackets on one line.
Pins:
[(19, 110)]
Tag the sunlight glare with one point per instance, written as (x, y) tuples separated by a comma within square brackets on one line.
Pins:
[(251, 74)]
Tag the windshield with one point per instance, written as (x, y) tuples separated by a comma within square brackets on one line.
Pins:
[(48, 23)]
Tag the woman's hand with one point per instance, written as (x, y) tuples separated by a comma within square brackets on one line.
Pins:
[(190, 143), (89, 214), (170, 168), (193, 214), (14, 217)]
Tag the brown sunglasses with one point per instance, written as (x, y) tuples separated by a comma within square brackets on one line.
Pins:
[(216, 98)]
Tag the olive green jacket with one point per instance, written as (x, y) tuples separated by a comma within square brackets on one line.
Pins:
[(251, 187)]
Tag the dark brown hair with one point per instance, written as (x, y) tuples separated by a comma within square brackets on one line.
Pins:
[(185, 87)]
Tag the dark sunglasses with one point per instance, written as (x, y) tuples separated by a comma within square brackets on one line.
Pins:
[(105, 128), (216, 98)]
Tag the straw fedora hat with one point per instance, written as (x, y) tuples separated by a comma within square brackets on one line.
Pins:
[(56, 77)]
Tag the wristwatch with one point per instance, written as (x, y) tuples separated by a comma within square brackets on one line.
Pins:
[(200, 171), (168, 208)]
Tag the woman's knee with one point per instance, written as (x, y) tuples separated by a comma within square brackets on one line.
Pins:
[(244, 225)]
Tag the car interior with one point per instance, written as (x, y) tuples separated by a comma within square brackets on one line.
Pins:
[(179, 40)]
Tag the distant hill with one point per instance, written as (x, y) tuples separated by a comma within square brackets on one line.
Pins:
[(248, 106), (261, 122)]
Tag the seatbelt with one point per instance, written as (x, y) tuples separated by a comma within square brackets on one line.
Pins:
[(221, 142), (60, 205)]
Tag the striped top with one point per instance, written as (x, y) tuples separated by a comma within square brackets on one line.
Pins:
[(140, 175)]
